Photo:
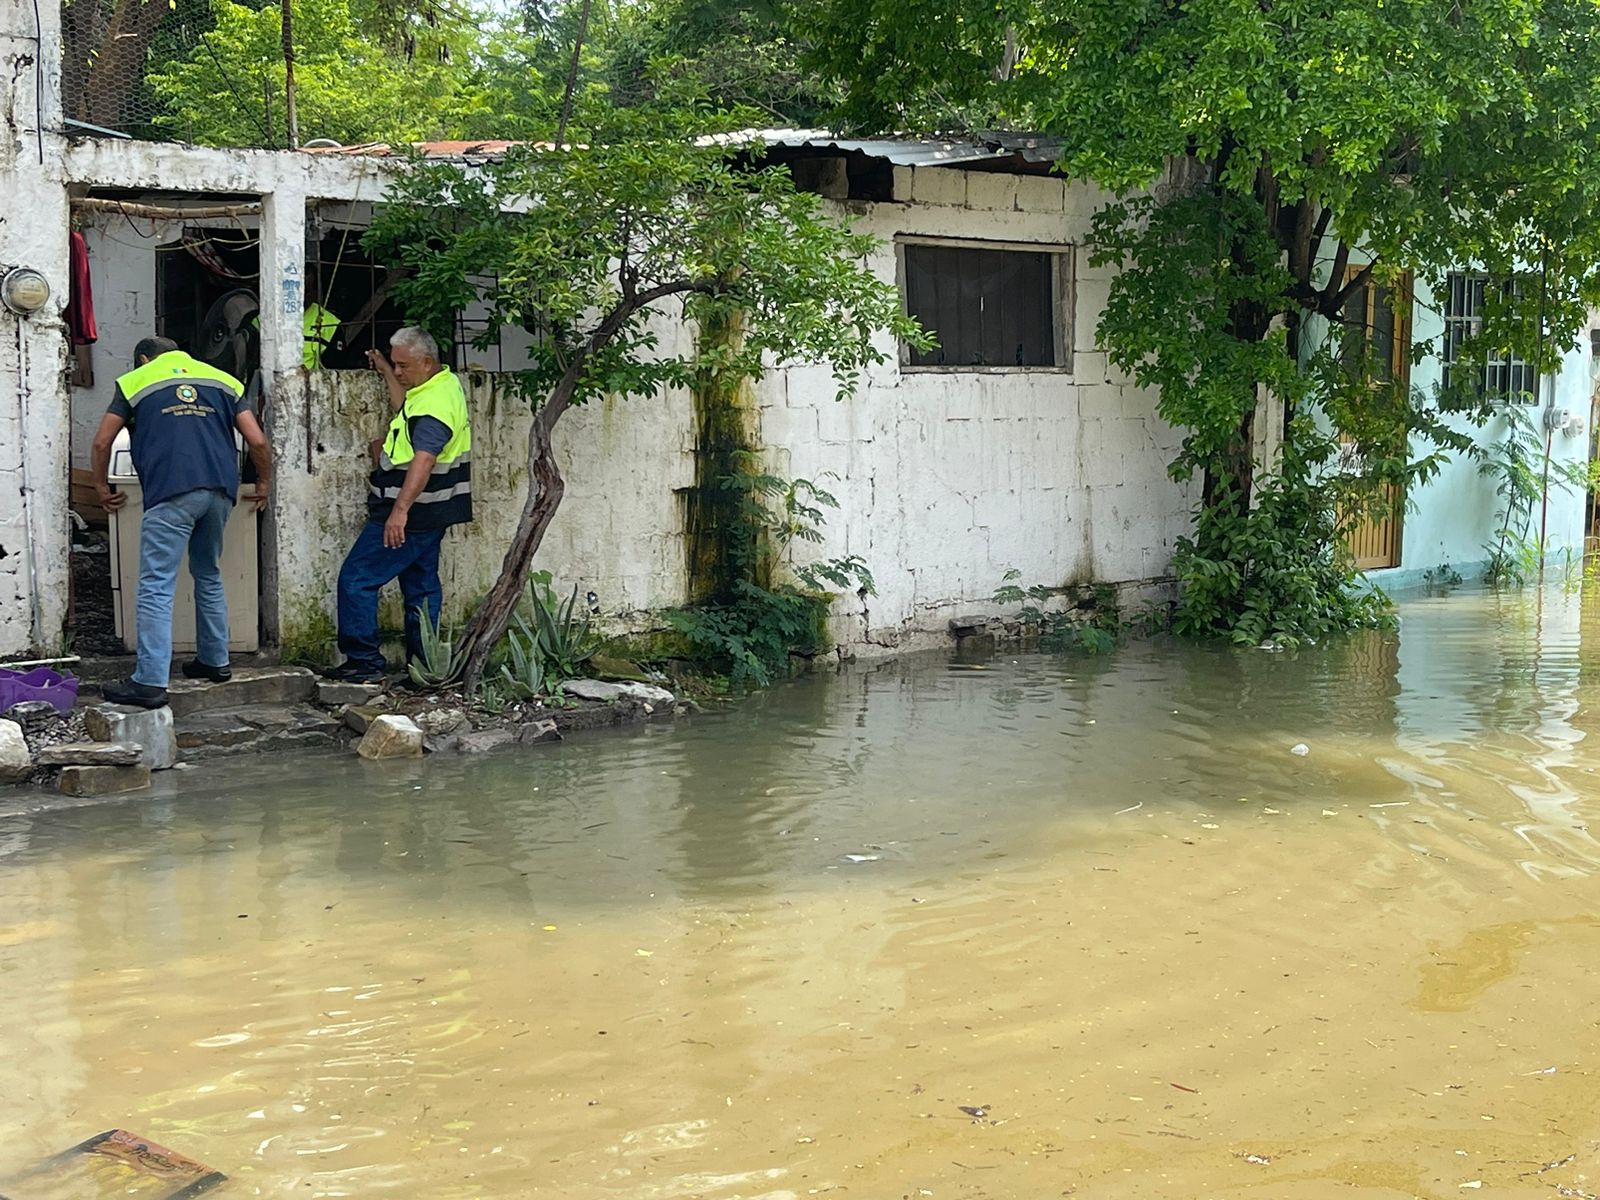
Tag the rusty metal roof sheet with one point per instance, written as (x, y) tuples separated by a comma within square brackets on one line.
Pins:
[(926, 151), (996, 148)]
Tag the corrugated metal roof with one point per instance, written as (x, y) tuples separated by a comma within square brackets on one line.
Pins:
[(459, 149), (931, 151)]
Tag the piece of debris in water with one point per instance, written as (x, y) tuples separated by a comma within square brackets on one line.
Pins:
[(975, 1111), (117, 1163)]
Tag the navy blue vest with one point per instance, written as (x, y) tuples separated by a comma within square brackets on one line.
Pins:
[(181, 421)]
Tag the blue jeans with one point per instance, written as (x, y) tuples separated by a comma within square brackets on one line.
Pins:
[(193, 522), (369, 565)]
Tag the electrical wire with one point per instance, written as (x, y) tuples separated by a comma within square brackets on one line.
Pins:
[(266, 137), (38, 79)]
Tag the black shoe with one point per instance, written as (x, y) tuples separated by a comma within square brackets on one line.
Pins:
[(350, 672), (195, 669), (139, 695)]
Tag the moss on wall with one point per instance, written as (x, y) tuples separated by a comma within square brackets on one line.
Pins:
[(720, 540)]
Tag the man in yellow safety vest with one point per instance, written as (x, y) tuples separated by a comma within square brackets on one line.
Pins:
[(421, 484)]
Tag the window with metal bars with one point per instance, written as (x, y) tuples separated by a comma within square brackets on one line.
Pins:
[(990, 305), (1495, 374)]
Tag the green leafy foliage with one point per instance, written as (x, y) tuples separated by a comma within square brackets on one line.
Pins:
[(1279, 571), (1523, 471), (584, 244), (359, 76), (762, 623), (1093, 625), (1256, 151)]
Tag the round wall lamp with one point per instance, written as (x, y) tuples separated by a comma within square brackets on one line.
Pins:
[(24, 290)]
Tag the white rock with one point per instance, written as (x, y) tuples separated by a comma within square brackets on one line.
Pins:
[(150, 729), (595, 689), (391, 736), (16, 764), (437, 722)]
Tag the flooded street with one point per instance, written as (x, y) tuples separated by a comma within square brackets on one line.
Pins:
[(1050, 927)]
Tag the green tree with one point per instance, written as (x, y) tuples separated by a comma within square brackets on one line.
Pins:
[(363, 73), (1257, 148), (587, 245), (739, 53)]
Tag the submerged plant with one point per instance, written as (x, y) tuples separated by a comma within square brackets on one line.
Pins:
[(1093, 625)]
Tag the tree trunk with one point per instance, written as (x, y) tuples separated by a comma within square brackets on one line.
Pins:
[(545, 488), (119, 69), (545, 485)]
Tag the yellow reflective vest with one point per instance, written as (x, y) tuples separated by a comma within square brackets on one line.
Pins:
[(446, 499)]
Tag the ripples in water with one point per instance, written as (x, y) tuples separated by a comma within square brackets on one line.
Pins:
[(780, 951)]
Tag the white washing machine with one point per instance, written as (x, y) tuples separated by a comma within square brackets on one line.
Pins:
[(240, 577)]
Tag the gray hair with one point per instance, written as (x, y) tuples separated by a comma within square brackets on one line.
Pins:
[(418, 340)]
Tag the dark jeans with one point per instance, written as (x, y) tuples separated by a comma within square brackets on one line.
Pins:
[(370, 565)]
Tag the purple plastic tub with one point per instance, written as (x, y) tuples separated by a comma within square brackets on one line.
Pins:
[(41, 683)]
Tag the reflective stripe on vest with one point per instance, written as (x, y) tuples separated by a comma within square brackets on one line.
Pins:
[(450, 480), (165, 369)]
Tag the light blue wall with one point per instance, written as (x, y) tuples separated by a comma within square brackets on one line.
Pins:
[(1450, 519)]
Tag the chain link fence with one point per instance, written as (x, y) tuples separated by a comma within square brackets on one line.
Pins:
[(109, 49)]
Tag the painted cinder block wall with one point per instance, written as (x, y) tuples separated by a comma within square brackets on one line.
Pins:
[(1450, 520), (944, 480)]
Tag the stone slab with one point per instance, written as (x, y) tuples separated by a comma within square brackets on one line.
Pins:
[(333, 694), (391, 736), (16, 764), (538, 731), (103, 781), (359, 716), (221, 730), (249, 685), (483, 740), (596, 689), (441, 722), (34, 716), (152, 729), (91, 754)]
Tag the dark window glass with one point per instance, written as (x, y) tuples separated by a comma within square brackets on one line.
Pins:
[(1496, 374), (988, 308)]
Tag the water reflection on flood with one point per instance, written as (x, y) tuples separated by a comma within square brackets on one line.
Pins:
[(1050, 927)]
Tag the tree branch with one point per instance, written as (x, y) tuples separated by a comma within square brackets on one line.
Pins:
[(1357, 281)]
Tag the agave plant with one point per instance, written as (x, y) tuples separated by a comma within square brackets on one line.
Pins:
[(525, 676), (438, 664), (560, 631)]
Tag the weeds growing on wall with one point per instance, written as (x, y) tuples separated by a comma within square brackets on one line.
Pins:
[(1093, 624), (775, 606)]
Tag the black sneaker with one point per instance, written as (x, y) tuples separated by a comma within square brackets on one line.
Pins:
[(350, 672), (195, 669), (139, 695)]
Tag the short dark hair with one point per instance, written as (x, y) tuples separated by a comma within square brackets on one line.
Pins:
[(153, 347)]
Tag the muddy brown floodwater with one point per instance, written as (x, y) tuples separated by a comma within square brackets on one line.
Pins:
[(1052, 927)]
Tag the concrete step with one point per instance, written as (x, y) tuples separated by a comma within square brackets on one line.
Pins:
[(249, 686), (214, 733)]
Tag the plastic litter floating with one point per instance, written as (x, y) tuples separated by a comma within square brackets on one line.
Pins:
[(114, 1163)]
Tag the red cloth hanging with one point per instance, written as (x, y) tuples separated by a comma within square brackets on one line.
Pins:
[(79, 313)]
